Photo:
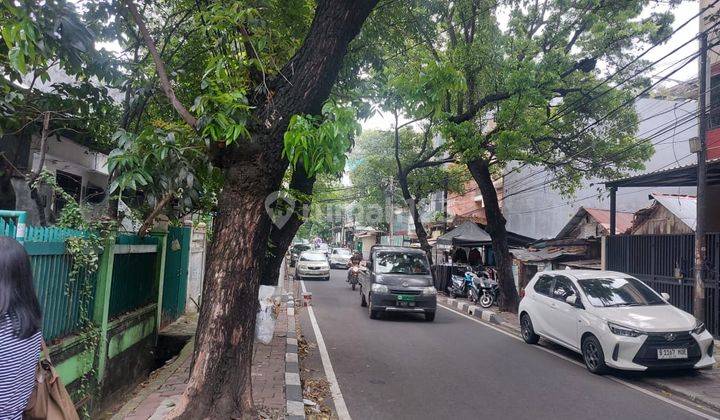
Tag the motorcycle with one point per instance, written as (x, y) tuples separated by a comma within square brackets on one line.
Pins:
[(460, 285), (353, 274), (486, 291), (478, 288)]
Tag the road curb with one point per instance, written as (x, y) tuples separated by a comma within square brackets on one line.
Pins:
[(474, 310), (293, 388)]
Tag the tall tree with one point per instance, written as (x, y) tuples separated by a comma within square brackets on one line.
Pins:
[(253, 92), (530, 92), (414, 160)]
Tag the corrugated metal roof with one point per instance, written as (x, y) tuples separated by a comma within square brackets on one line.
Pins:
[(602, 216), (546, 254), (680, 176), (684, 207), (623, 220)]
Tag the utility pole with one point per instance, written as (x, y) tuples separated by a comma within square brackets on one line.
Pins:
[(700, 246)]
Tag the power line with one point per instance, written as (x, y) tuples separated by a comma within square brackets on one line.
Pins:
[(634, 60), (677, 161), (612, 112)]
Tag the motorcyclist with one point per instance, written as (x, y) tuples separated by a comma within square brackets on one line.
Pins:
[(356, 258), (355, 261)]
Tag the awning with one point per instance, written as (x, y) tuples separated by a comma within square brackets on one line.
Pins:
[(682, 176), (467, 234)]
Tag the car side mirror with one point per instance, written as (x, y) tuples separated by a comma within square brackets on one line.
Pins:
[(665, 296), (571, 300)]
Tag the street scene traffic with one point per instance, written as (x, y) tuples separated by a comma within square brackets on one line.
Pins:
[(359, 209), (382, 366)]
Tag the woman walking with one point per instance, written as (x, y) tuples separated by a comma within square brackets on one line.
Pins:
[(20, 336)]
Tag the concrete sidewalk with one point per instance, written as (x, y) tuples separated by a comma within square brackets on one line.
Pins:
[(155, 398), (701, 387)]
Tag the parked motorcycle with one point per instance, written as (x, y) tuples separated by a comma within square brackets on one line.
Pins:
[(353, 274), (488, 291), (478, 288), (460, 285)]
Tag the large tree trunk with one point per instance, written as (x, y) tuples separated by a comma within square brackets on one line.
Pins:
[(415, 212), (496, 229), (282, 236), (220, 383)]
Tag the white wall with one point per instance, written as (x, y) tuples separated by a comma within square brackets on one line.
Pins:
[(541, 212)]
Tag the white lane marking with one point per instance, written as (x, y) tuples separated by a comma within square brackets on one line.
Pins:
[(575, 362), (337, 396)]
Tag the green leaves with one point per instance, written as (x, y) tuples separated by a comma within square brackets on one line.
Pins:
[(163, 159), (319, 143)]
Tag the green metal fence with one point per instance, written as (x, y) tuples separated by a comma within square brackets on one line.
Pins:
[(177, 258), (12, 223), (60, 297), (134, 280), (125, 304)]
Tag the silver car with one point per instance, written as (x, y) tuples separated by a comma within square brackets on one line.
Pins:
[(340, 258), (312, 265)]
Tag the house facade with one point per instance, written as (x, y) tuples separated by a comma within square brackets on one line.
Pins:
[(668, 214)]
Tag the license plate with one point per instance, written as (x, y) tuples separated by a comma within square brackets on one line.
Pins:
[(406, 304), (406, 298), (672, 354)]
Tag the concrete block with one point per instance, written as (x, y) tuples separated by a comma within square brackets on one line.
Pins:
[(293, 393), (292, 378), (296, 408)]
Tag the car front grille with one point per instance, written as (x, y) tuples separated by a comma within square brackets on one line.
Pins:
[(405, 292), (647, 355)]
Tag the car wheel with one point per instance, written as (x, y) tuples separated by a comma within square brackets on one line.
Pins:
[(363, 302), (527, 331), (372, 312), (593, 355), (429, 316), (327, 278)]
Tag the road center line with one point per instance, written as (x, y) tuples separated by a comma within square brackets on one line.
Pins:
[(338, 400), (575, 362)]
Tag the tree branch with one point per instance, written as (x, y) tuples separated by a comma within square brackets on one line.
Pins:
[(474, 108), (160, 67), (43, 148), (147, 224)]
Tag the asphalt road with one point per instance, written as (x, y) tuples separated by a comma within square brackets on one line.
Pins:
[(402, 367)]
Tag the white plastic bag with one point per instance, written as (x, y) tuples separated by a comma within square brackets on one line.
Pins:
[(266, 317)]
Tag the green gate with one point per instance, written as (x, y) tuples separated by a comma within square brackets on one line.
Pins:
[(176, 273)]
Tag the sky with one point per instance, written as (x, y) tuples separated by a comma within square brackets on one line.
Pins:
[(683, 12)]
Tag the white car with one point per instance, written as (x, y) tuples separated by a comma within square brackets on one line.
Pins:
[(614, 320), (312, 264), (340, 258)]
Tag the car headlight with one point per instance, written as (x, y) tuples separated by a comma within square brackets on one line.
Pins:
[(699, 327), (623, 331), (429, 291), (379, 288)]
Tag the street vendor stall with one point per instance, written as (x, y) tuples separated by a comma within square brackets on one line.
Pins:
[(465, 237)]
